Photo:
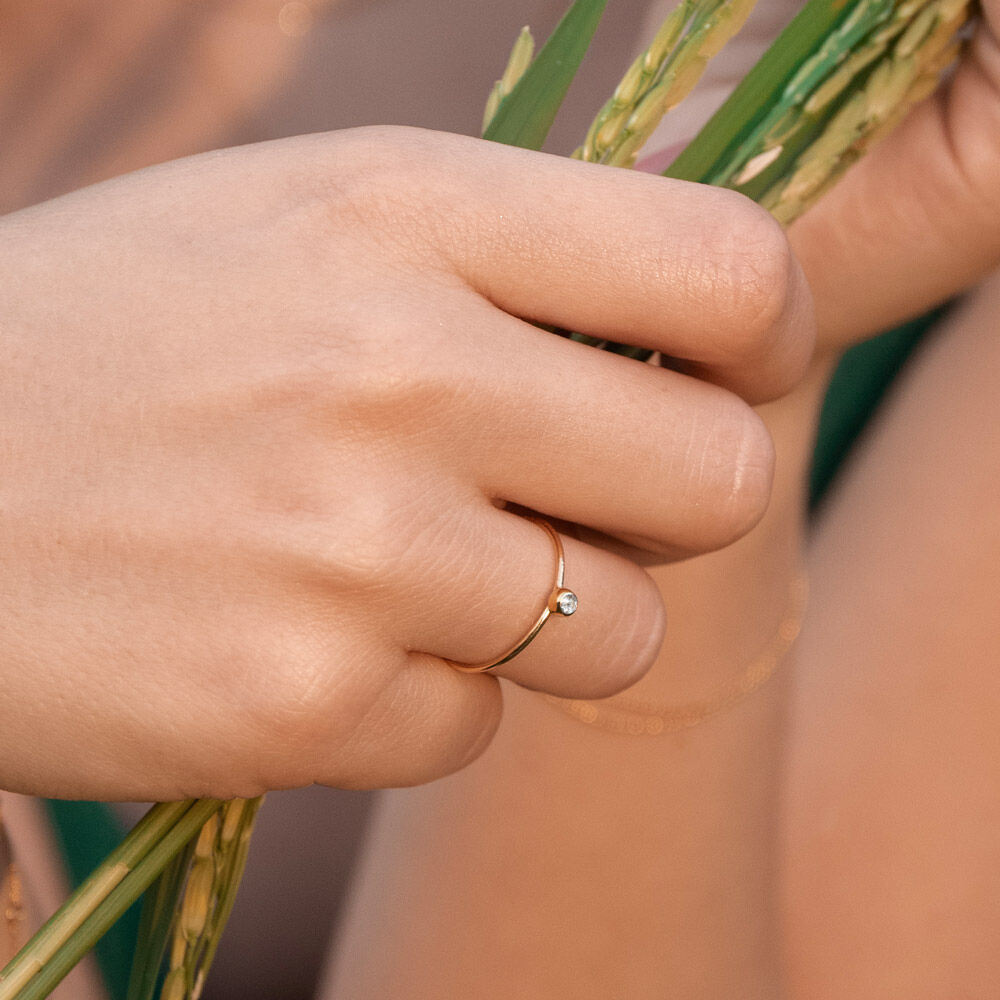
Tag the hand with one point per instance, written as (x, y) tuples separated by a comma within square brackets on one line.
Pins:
[(261, 410), (917, 220)]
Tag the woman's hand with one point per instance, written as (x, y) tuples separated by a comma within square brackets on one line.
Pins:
[(260, 411), (918, 219)]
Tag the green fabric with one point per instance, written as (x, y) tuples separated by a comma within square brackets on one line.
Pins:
[(858, 385), (87, 832)]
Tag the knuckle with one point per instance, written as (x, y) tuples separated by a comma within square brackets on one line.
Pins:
[(349, 510), (378, 184), (306, 700), (274, 704), (413, 729), (401, 392), (432, 727), (365, 557), (757, 277)]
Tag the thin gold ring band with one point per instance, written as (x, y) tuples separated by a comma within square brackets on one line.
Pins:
[(559, 602)]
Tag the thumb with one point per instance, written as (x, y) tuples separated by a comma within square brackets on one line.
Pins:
[(917, 220)]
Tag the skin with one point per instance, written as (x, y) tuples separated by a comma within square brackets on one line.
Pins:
[(279, 476), (701, 815), (892, 777), (834, 835), (890, 884)]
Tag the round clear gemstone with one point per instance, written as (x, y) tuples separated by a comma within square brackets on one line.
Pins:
[(567, 602)]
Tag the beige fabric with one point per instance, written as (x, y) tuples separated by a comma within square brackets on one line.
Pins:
[(103, 88)]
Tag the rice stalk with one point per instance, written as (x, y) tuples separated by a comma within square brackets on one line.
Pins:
[(882, 57), (519, 60), (114, 886), (213, 879), (159, 904), (897, 66), (661, 77)]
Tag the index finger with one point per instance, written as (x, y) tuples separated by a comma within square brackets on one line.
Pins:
[(695, 272)]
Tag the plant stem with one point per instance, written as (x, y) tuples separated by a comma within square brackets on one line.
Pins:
[(89, 895), (759, 89), (524, 117), (103, 898), (158, 907)]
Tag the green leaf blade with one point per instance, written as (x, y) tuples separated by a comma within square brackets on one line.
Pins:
[(760, 89), (526, 114)]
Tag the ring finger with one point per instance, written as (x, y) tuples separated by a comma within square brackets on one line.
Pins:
[(480, 603)]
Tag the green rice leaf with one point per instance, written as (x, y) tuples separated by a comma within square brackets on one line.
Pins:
[(526, 114), (761, 89)]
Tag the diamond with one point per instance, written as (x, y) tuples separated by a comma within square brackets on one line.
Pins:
[(567, 602)]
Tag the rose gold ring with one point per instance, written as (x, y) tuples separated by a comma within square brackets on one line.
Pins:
[(559, 602)]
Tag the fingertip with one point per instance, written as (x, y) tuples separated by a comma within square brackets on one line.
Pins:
[(657, 628), (639, 640), (765, 329)]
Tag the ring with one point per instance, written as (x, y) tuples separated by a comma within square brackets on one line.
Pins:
[(559, 602)]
